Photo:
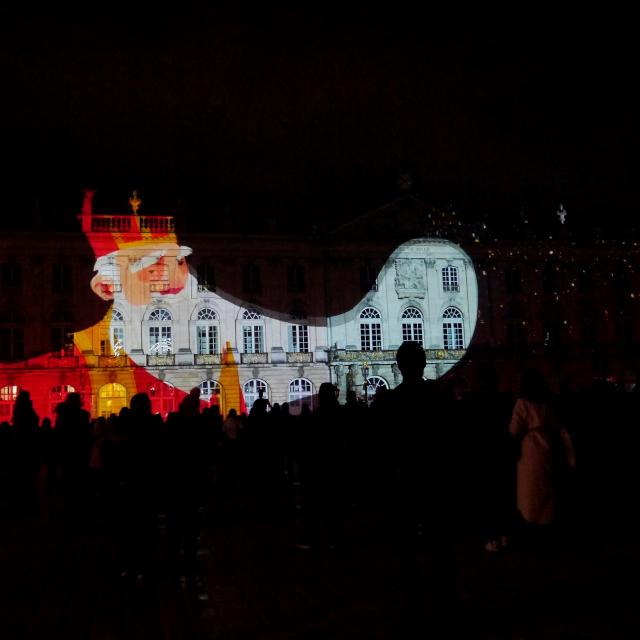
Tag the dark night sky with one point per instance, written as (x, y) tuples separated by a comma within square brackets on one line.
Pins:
[(316, 112)]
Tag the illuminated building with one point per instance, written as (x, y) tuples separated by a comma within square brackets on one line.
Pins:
[(286, 313)]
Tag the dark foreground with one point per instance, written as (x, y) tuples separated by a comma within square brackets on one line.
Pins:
[(61, 581)]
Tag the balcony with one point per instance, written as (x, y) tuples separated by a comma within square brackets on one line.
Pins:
[(254, 358), (112, 361), (342, 355), (299, 357), (65, 362), (445, 354), (204, 359), (359, 356), (161, 360), (125, 224)]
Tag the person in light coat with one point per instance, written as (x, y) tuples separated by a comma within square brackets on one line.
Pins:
[(546, 452)]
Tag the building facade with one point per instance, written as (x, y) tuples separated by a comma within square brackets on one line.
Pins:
[(236, 315)]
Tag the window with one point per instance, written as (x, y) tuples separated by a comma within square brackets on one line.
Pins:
[(624, 328), (11, 275), (554, 332), (206, 277), (621, 279), (115, 345), (11, 336), (159, 275), (253, 331), (549, 278), (412, 328), (450, 280), (160, 339), (211, 392), (111, 398), (295, 278), (588, 329), (61, 278), (62, 333), (207, 332), (111, 270), (585, 281), (251, 281), (299, 338), (368, 277), (373, 384), (251, 390), (452, 333), (517, 335), (513, 280), (301, 392), (370, 330), (163, 398), (57, 395), (8, 396)]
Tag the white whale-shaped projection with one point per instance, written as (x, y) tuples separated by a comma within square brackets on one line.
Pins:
[(426, 291)]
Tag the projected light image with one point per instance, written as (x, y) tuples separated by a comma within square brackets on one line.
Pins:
[(166, 333)]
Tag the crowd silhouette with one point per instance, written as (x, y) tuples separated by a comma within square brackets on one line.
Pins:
[(432, 458)]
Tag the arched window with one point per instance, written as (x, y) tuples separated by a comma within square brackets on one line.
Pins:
[(160, 336), (450, 281), (300, 392), (251, 390), (452, 331), (111, 398), (373, 384), (57, 395), (253, 331), (207, 332), (412, 327), (163, 398), (370, 330), (11, 336), (211, 392), (8, 396)]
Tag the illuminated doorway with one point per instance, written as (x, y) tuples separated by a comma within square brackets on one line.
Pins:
[(112, 398)]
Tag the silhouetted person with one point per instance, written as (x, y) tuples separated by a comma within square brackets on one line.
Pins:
[(260, 405), (231, 431), (47, 439), (494, 473), (73, 445), (143, 430), (184, 471), (424, 461), (545, 449), (322, 462), (117, 458), (27, 453)]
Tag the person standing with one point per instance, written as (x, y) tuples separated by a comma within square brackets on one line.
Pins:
[(545, 451)]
